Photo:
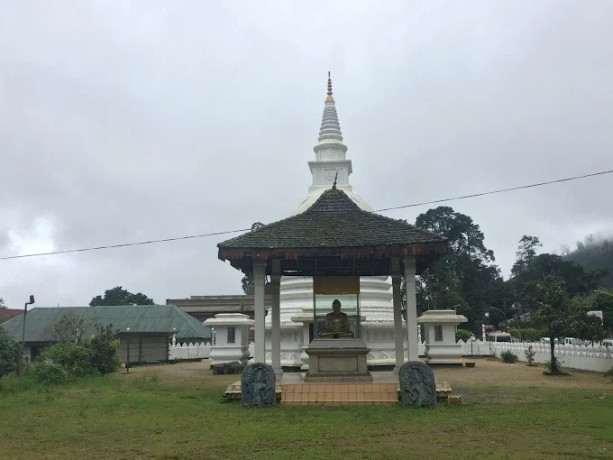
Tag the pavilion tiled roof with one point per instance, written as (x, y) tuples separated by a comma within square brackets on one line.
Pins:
[(334, 221), (334, 227)]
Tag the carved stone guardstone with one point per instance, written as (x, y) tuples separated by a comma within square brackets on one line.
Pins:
[(258, 384), (417, 385)]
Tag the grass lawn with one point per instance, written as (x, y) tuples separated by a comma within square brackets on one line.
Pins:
[(152, 414)]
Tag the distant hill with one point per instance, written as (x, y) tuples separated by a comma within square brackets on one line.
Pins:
[(594, 254)]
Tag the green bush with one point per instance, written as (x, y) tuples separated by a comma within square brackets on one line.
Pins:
[(75, 359), (104, 350), (9, 352), (49, 373), (463, 334), (529, 352), (508, 356)]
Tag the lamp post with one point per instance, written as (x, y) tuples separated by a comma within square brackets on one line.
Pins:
[(23, 333), (128, 351)]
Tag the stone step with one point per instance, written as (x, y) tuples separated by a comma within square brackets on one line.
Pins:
[(336, 394)]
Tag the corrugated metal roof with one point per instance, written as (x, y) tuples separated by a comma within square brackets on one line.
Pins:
[(40, 322)]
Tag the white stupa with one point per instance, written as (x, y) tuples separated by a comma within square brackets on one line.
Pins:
[(377, 328)]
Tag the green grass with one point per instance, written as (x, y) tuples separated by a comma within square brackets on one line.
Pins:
[(121, 416)]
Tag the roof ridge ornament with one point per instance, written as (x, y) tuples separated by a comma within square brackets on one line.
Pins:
[(335, 177), (329, 98)]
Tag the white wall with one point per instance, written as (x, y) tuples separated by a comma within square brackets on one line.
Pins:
[(584, 357), (181, 351)]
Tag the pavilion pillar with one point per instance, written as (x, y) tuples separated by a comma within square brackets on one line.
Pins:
[(409, 279), (275, 336), (259, 277), (397, 305)]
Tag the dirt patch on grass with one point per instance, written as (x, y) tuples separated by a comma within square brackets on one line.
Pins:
[(486, 373), (492, 373)]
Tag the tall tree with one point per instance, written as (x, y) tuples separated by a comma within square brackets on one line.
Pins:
[(466, 278), (526, 252), (119, 296), (549, 302)]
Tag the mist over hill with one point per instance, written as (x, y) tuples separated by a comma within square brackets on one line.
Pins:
[(595, 253)]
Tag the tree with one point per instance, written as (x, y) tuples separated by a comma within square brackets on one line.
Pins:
[(247, 283), (104, 348), (9, 353), (526, 251), (595, 253), (466, 278), (2, 303), (69, 328), (119, 296), (577, 281), (550, 304)]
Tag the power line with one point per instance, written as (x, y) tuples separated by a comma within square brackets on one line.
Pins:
[(123, 245), (520, 187), (202, 235)]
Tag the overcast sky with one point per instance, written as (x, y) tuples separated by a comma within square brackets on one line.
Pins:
[(129, 121)]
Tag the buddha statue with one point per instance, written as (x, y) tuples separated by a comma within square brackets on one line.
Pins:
[(336, 324)]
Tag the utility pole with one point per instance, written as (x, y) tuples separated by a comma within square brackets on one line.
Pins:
[(23, 334)]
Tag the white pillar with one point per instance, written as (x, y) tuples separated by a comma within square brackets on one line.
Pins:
[(409, 278), (398, 335), (259, 274), (275, 281)]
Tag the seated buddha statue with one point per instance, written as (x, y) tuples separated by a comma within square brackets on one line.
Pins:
[(336, 324)]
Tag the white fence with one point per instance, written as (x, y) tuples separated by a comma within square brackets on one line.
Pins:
[(585, 357), (179, 351)]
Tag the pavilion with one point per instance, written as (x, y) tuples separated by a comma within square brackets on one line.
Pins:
[(334, 237)]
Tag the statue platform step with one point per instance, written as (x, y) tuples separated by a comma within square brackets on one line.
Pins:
[(337, 394)]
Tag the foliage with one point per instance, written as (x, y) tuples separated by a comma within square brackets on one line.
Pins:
[(463, 334), (528, 334), (508, 356), (2, 303), (526, 252), (247, 283), (465, 278), (576, 280), (119, 296), (104, 349), (601, 300), (551, 306), (530, 353), (49, 373), (76, 359), (69, 327), (594, 254), (9, 353)]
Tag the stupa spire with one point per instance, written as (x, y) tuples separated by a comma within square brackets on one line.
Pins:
[(330, 168), (330, 130), (329, 98)]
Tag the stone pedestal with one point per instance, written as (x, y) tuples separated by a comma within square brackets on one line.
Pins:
[(231, 338), (439, 329), (338, 360)]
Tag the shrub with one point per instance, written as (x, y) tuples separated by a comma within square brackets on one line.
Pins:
[(49, 373), (104, 350), (9, 353), (529, 352), (463, 334), (508, 356), (75, 359)]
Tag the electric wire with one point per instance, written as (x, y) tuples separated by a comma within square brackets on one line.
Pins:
[(203, 235)]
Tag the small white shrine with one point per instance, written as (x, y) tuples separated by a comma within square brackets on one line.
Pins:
[(231, 343), (439, 331)]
